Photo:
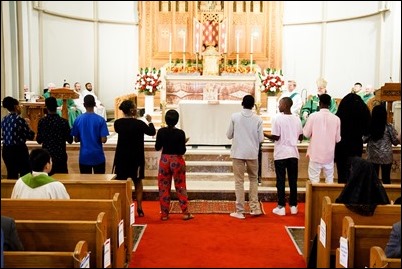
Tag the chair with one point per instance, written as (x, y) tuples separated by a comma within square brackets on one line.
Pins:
[(118, 100)]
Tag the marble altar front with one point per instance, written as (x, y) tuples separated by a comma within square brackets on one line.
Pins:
[(195, 87)]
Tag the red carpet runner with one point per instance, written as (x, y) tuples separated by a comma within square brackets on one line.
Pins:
[(217, 240)]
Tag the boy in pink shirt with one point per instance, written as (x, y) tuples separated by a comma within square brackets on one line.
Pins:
[(324, 130)]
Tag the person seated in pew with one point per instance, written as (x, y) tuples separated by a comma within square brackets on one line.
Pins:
[(393, 247), (11, 239), (364, 191), (38, 184)]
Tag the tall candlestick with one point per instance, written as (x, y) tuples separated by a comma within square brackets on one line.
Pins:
[(251, 62), (237, 62), (251, 44), (197, 43), (225, 50), (184, 41), (237, 42), (170, 61), (170, 42)]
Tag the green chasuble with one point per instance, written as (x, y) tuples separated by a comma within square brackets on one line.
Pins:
[(311, 106)]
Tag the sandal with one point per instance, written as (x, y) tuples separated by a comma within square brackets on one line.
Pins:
[(140, 212), (164, 218), (188, 216)]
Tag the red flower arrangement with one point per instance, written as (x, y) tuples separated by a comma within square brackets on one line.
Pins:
[(271, 81), (148, 81)]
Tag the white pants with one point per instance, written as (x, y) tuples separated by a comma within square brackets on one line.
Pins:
[(314, 171)]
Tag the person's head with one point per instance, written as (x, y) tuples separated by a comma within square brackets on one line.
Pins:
[(11, 104), (325, 100), (51, 104), (248, 101), (66, 85), (321, 86), (40, 160), (77, 86), (89, 101), (291, 85), (369, 89), (171, 117), (354, 115), (51, 86), (378, 122), (357, 87), (88, 86), (285, 104), (128, 107)]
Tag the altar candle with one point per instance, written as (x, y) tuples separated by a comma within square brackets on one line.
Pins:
[(197, 43), (225, 50), (237, 42), (251, 44), (170, 42), (184, 41)]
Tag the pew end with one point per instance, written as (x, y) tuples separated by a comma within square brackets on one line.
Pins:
[(378, 259), (47, 259)]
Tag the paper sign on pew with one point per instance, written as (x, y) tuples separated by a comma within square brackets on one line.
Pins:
[(106, 254), (344, 253), (85, 261), (323, 232), (132, 210), (121, 232)]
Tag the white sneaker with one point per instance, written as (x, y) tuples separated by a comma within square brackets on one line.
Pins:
[(293, 210), (255, 213), (237, 215), (279, 211)]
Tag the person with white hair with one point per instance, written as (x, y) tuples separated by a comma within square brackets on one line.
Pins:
[(367, 93), (312, 104)]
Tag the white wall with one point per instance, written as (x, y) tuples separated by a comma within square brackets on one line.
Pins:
[(97, 41), (344, 42)]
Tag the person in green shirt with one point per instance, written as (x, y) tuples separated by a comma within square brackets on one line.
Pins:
[(311, 104), (367, 93)]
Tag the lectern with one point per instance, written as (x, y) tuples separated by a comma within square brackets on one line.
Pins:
[(64, 94), (389, 93)]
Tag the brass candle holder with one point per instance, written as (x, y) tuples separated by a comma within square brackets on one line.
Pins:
[(258, 108), (163, 105)]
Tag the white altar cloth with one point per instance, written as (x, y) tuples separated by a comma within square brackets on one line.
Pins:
[(206, 122)]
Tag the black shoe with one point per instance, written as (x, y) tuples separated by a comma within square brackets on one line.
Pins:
[(140, 212)]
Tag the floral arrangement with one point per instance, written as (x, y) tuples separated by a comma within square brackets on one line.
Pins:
[(271, 81), (148, 81)]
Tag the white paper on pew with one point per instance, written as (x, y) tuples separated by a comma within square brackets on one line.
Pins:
[(85, 261), (132, 210), (323, 232), (121, 232), (344, 252), (106, 254)]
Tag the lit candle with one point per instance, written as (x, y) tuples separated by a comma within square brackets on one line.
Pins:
[(251, 43), (170, 42), (237, 42)]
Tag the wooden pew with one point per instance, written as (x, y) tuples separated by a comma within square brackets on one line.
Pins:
[(72, 209), (62, 235), (360, 239), (47, 259), (379, 260), (313, 206), (79, 187), (332, 216)]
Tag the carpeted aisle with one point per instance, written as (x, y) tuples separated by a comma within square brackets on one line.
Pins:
[(217, 240)]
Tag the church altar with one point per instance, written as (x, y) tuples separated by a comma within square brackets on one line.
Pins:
[(195, 87), (206, 122)]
